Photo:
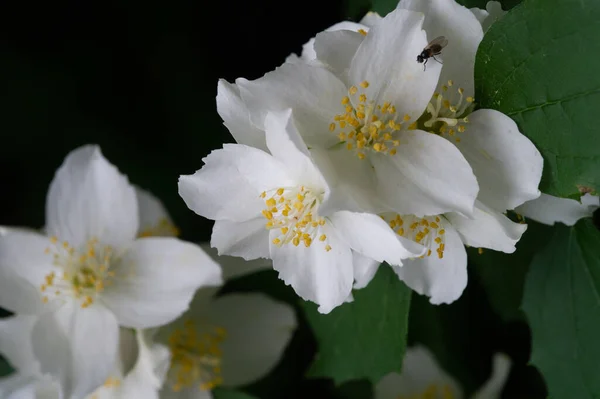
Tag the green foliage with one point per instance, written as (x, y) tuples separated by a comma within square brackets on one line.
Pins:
[(539, 65), (365, 338), (562, 303), (225, 393)]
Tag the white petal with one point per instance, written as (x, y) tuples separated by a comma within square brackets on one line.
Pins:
[(15, 343), (229, 184), (308, 51), (317, 275), (78, 346), (370, 19), (443, 280), (387, 60), (506, 163), (18, 386), (185, 393), (548, 209), (420, 371), (4, 230), (236, 117), (88, 198), (495, 12), (154, 218), (24, 264), (371, 236), (364, 270), (248, 240), (313, 93), (480, 14), (156, 280), (590, 200), (427, 176), (337, 49), (287, 146), (463, 31), (492, 389), (258, 330), (488, 229), (233, 266)]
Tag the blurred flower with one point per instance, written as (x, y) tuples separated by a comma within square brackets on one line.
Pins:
[(279, 207), (422, 378), (137, 374), (359, 121), (492, 13), (548, 209), (228, 340), (90, 274)]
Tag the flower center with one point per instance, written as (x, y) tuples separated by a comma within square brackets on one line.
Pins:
[(82, 273), (164, 228), (426, 231), (448, 112), (294, 212), (367, 127), (195, 357), (433, 391)]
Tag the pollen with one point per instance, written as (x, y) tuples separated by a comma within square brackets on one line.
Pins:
[(447, 112), (293, 211), (82, 273), (195, 357), (163, 228), (426, 231), (432, 391), (366, 127), (362, 32)]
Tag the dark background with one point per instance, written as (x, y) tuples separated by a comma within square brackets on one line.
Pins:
[(139, 78)]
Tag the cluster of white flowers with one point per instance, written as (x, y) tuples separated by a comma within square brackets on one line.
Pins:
[(353, 154), (109, 303)]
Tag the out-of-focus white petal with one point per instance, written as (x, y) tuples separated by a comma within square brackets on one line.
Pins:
[(364, 270), (248, 240), (548, 209), (88, 198), (77, 346), (258, 330), (154, 218), (156, 280), (493, 387), (15, 343), (233, 266)]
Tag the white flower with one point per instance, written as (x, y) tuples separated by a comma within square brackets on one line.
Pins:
[(228, 340), (359, 122), (280, 207), (137, 373), (90, 274), (492, 13), (441, 273), (548, 209), (154, 220), (422, 378)]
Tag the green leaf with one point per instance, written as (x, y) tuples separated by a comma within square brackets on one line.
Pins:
[(503, 275), (562, 303), (539, 65), (365, 338), (226, 393), (382, 7)]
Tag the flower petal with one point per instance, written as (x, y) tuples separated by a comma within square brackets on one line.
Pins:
[(15, 343), (248, 240), (18, 386), (548, 209), (371, 236), (420, 371), (370, 19), (443, 280), (156, 280), (487, 229), (258, 330), (427, 176), (317, 275), (229, 184), (337, 49), (186, 393), (24, 264), (492, 389), (494, 12), (314, 94), (387, 60), (364, 270), (88, 198), (233, 266), (308, 49), (77, 346), (287, 146), (154, 218), (236, 117), (506, 163), (463, 31)]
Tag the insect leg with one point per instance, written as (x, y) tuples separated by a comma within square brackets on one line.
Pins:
[(437, 59)]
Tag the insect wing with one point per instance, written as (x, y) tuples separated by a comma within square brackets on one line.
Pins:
[(437, 44)]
